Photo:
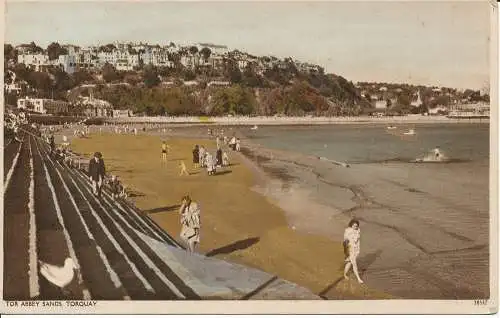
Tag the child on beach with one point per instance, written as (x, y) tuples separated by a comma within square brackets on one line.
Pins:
[(184, 171), (164, 150)]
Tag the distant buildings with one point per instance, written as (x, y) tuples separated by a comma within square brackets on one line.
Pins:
[(43, 106), (93, 107), (41, 62)]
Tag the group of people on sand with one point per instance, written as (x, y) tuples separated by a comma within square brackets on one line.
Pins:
[(204, 159), (97, 175)]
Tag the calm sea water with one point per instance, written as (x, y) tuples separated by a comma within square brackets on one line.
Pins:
[(374, 143)]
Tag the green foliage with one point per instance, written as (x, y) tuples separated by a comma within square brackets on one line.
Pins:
[(10, 53), (34, 49), (151, 78), (205, 52), (40, 80), (81, 76), (234, 100), (109, 73), (108, 48), (193, 50), (54, 50), (152, 101)]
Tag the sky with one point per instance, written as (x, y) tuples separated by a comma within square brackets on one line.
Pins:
[(429, 43)]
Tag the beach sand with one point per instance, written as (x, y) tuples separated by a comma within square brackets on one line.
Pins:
[(241, 222), (424, 227)]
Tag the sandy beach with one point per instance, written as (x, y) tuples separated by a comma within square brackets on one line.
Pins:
[(285, 213), (240, 224)]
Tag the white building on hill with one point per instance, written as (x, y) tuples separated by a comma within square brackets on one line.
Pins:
[(38, 62)]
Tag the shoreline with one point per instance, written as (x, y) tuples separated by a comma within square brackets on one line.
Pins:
[(293, 121)]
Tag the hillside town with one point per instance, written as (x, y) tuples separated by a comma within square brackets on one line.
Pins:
[(205, 79)]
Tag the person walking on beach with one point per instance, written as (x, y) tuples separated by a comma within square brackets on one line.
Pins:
[(190, 223), (97, 171), (218, 157), (352, 248), (184, 171), (196, 156)]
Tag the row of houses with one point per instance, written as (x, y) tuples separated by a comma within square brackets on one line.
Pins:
[(130, 56)]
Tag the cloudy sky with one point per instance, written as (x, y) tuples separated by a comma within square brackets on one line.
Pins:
[(434, 43)]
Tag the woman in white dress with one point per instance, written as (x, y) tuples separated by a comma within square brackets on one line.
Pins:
[(201, 153), (190, 222), (352, 248)]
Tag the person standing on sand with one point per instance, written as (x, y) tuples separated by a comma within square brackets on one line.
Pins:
[(196, 156), (190, 222), (202, 152), (225, 159), (238, 144), (437, 153), (352, 248), (97, 171), (164, 150), (209, 161), (218, 157)]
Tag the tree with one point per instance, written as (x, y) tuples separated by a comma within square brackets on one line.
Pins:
[(108, 48), (40, 81), (22, 71), (81, 76), (193, 50), (109, 73), (35, 49), (205, 52), (54, 50), (151, 78), (233, 100), (10, 53)]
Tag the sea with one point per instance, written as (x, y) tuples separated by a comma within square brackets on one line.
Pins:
[(358, 144)]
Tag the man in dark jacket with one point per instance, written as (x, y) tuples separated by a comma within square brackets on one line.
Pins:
[(97, 171)]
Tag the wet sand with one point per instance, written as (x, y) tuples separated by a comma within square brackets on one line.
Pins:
[(424, 226)]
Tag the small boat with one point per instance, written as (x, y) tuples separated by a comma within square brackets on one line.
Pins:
[(410, 132), (254, 127), (391, 127)]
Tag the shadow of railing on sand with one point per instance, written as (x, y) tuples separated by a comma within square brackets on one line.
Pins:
[(238, 245), (163, 209)]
